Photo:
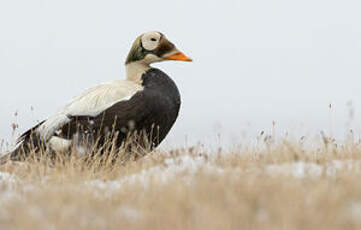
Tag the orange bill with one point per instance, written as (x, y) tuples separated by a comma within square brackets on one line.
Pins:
[(179, 57)]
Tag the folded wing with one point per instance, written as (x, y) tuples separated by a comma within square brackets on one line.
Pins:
[(91, 103)]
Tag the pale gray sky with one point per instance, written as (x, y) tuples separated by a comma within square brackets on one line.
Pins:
[(254, 61)]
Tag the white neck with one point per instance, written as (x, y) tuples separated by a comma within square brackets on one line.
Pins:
[(135, 70)]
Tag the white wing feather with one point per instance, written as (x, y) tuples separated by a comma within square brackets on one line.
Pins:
[(90, 103)]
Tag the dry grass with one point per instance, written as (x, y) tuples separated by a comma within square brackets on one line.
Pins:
[(288, 185)]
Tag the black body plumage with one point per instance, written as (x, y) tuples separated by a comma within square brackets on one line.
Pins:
[(150, 112)]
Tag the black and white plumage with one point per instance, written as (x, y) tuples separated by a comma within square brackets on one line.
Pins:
[(147, 102)]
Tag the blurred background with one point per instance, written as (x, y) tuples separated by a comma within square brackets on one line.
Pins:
[(258, 65)]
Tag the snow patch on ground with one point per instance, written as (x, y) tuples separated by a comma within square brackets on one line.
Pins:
[(183, 168), (306, 169), (186, 166), (8, 185), (298, 169)]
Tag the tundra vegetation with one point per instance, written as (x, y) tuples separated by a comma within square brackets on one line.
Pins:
[(289, 183)]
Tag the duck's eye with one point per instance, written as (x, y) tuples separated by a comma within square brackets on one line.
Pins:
[(153, 39)]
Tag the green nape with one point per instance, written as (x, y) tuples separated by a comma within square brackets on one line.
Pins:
[(136, 52)]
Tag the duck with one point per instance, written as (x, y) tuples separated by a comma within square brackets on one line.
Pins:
[(146, 103)]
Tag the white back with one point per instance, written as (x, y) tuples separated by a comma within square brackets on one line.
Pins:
[(90, 103)]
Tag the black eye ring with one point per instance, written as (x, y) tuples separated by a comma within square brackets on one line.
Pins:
[(153, 39)]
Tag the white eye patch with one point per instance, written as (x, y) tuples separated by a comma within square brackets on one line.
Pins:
[(150, 41)]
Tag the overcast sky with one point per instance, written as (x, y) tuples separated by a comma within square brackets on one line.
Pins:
[(255, 61)]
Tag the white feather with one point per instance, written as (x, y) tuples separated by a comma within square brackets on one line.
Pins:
[(92, 102), (59, 144), (53, 123), (150, 40), (135, 70), (97, 99)]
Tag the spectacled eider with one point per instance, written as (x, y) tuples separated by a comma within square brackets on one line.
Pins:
[(148, 102)]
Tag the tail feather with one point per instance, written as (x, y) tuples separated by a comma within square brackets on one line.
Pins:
[(4, 159), (10, 156), (26, 144), (20, 153)]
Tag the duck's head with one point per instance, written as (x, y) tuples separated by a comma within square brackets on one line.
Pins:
[(154, 47)]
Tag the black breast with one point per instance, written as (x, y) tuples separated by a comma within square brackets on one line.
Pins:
[(151, 112), (162, 100)]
